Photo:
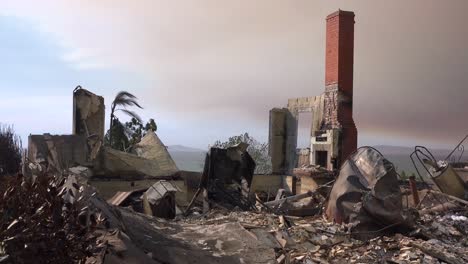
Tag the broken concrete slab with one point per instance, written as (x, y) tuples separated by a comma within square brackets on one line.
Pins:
[(151, 147), (149, 159), (113, 163)]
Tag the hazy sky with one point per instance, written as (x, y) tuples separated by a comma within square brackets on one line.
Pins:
[(208, 69)]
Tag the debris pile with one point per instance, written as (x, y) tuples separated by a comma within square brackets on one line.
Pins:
[(157, 200), (62, 220), (315, 240)]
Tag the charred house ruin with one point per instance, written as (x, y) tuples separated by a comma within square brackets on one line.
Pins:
[(333, 134)]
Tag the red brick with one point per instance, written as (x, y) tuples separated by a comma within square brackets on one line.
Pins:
[(339, 66)]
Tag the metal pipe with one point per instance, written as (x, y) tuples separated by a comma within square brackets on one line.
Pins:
[(290, 198), (414, 190), (456, 147)]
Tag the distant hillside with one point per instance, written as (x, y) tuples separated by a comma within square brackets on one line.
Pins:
[(192, 159), (181, 148), (399, 150), (400, 156), (187, 158)]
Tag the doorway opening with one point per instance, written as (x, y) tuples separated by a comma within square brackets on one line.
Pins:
[(321, 158), (304, 127)]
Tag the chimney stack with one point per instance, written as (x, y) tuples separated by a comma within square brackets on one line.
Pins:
[(339, 60)]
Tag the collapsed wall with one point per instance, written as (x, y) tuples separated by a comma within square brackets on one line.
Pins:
[(58, 151), (84, 147)]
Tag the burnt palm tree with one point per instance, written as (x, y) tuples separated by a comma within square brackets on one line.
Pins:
[(123, 99)]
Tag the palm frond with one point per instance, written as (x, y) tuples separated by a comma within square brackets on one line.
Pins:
[(131, 114), (124, 99), (126, 102), (124, 94)]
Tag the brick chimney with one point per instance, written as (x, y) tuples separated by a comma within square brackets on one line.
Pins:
[(339, 61), (340, 50)]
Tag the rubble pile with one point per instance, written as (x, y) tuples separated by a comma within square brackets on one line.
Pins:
[(47, 219), (315, 240)]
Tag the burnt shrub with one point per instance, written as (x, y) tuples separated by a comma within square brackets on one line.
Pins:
[(10, 151)]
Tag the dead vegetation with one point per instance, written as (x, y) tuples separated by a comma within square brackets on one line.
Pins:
[(42, 222), (10, 151)]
